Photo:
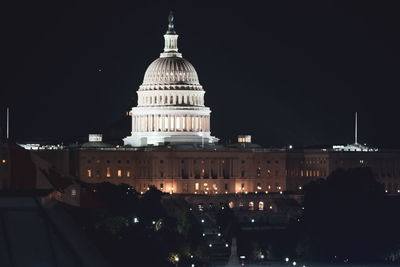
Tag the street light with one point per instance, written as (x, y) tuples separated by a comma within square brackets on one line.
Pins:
[(287, 259)]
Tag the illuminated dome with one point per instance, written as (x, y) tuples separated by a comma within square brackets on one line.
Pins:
[(170, 105), (170, 71)]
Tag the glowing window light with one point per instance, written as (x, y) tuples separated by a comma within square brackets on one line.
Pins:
[(89, 171), (119, 173), (251, 205), (108, 172)]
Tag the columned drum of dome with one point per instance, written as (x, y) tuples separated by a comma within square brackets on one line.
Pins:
[(170, 101)]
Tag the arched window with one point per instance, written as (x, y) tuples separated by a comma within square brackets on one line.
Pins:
[(251, 205), (231, 205), (260, 205)]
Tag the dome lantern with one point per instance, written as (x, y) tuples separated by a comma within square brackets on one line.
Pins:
[(171, 40)]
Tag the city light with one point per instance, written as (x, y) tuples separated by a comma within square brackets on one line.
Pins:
[(226, 245), (210, 245), (202, 220), (287, 259), (294, 263)]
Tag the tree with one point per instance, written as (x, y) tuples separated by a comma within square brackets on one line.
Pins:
[(347, 217)]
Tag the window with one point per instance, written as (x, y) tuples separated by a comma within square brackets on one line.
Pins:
[(242, 187), (108, 172), (108, 161), (231, 205), (119, 173), (73, 192), (119, 161), (226, 186), (260, 205), (161, 174), (161, 161), (161, 187), (89, 173), (127, 161), (196, 186), (242, 173), (215, 187), (128, 174)]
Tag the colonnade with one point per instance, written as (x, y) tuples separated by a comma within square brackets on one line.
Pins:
[(170, 123), (172, 99)]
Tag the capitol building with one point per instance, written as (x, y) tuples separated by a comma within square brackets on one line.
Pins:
[(171, 146), (170, 105)]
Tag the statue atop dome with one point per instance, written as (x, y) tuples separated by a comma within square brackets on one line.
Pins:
[(171, 29)]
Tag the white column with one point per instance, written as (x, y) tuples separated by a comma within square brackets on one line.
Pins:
[(136, 123)]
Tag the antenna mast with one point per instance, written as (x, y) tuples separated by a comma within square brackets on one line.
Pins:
[(355, 136), (8, 123)]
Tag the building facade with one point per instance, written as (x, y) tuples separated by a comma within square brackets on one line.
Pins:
[(220, 170)]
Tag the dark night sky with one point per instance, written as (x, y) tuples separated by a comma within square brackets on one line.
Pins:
[(286, 72)]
